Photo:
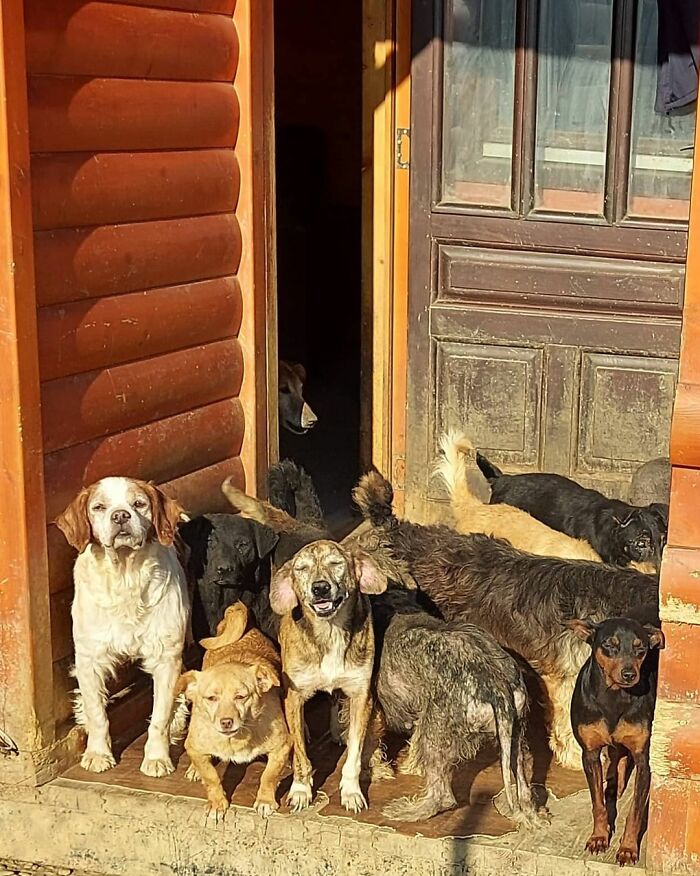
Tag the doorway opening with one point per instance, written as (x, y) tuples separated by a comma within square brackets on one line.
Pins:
[(318, 129)]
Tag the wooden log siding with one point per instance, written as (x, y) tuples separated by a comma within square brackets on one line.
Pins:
[(133, 128), (673, 844)]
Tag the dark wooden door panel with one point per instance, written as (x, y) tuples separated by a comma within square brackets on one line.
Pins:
[(545, 325)]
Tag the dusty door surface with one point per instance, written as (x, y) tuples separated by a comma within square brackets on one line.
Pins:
[(549, 204)]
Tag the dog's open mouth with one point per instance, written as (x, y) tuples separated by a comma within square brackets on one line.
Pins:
[(326, 607)]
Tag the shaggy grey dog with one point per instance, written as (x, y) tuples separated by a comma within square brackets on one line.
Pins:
[(522, 600), (451, 686)]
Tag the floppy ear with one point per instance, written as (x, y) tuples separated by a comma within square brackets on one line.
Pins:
[(282, 596), (584, 629), (187, 684), (660, 511), (656, 637), (265, 539), (265, 677), (299, 370), (370, 578), (74, 523), (166, 512)]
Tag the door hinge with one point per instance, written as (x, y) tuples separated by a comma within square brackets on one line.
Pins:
[(403, 148)]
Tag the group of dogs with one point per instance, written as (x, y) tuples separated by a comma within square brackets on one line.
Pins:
[(420, 630)]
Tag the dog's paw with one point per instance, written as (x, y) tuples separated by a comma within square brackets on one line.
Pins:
[(381, 771), (218, 803), (411, 809), (597, 843), (265, 807), (626, 855), (157, 767), (97, 763), (191, 773), (299, 796), (352, 797)]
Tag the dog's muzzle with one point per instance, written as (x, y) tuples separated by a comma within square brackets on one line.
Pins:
[(326, 599)]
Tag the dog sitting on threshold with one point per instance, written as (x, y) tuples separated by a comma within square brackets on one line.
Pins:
[(451, 686), (522, 600)]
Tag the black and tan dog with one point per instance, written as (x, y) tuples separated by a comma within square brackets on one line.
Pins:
[(613, 707), (522, 600), (621, 533)]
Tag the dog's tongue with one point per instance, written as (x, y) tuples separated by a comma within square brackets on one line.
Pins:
[(324, 606)]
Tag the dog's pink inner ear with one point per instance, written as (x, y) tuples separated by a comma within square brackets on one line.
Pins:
[(282, 596), (581, 628), (656, 637), (371, 579)]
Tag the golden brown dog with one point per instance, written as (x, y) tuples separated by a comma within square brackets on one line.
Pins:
[(327, 644), (499, 521), (237, 710)]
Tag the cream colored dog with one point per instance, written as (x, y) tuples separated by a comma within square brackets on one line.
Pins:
[(499, 521), (237, 710)]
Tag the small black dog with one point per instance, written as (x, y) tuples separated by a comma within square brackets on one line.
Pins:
[(620, 533), (229, 556), (451, 686), (613, 707)]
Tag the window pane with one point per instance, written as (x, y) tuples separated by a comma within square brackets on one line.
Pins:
[(660, 168), (573, 89), (478, 85)]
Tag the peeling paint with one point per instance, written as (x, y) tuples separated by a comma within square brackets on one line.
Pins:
[(668, 718), (674, 609)]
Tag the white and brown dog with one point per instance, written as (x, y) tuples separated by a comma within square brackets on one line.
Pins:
[(130, 603)]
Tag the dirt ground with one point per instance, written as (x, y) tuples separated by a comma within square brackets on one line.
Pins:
[(22, 868)]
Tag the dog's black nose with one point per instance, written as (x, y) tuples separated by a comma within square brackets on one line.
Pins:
[(321, 588), (120, 517), (628, 674), (226, 723)]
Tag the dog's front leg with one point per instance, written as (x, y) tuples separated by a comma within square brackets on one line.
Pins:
[(210, 779), (277, 760), (300, 793), (628, 852), (91, 710), (351, 795), (599, 839), (156, 753)]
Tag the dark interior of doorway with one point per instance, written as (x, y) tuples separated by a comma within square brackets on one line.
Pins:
[(318, 125)]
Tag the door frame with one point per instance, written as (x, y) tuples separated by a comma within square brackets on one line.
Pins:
[(386, 110)]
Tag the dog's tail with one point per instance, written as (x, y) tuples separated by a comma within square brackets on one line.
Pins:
[(374, 496), (490, 471), (257, 509), (230, 629), (452, 468), (291, 489)]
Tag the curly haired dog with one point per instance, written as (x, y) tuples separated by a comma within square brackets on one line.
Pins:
[(522, 600), (500, 521), (452, 686)]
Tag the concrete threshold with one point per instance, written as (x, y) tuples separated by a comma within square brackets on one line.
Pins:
[(124, 832)]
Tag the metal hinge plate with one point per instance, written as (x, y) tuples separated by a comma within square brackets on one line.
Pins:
[(403, 148)]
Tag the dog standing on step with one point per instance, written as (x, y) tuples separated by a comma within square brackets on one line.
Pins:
[(613, 707)]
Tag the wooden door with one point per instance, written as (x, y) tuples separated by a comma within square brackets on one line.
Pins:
[(549, 206)]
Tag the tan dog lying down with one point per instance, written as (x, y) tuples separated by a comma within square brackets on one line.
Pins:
[(237, 710), (500, 521)]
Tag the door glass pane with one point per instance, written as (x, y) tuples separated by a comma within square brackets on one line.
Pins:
[(573, 90), (661, 162), (478, 85)]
